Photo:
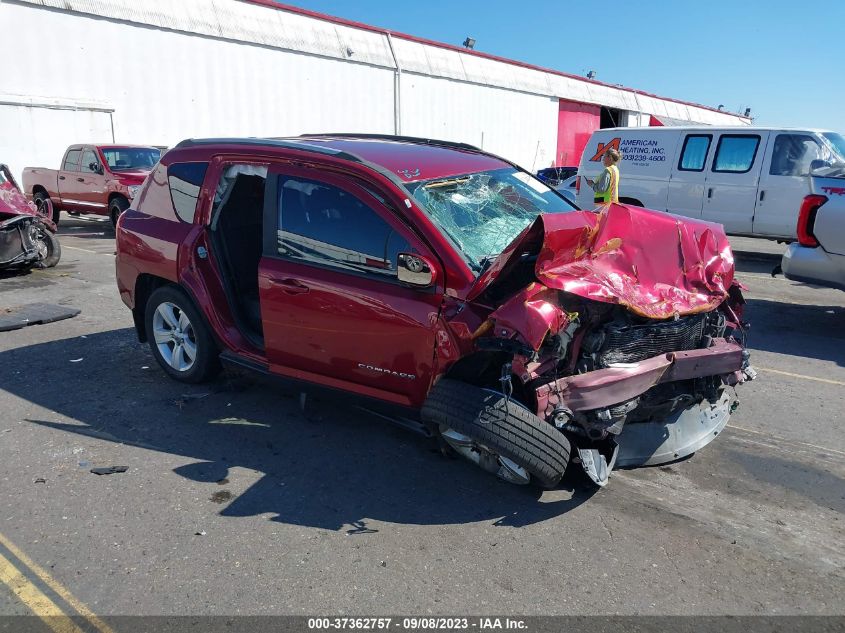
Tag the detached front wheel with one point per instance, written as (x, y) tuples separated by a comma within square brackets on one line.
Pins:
[(48, 247), (179, 337), (496, 433)]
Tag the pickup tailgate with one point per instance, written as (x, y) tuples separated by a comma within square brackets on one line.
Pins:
[(829, 227)]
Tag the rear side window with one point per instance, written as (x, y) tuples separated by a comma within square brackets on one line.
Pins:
[(793, 153), (71, 160), (324, 225), (185, 180), (694, 153), (735, 153)]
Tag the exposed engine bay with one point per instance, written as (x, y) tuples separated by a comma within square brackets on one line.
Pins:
[(634, 358)]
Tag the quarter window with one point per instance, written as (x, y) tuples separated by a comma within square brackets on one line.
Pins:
[(71, 160), (185, 180), (735, 153), (694, 154), (793, 154), (324, 225)]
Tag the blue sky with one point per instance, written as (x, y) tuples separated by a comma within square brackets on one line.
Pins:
[(781, 59)]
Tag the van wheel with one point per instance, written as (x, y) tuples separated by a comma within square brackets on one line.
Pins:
[(116, 207), (497, 433), (179, 337), (41, 199)]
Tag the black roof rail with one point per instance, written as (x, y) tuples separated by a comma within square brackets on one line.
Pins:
[(288, 143), (402, 139), (285, 143)]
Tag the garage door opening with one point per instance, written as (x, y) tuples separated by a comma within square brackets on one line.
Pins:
[(610, 117)]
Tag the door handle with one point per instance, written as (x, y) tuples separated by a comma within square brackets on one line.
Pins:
[(290, 286), (710, 193), (61, 177), (762, 196), (80, 180)]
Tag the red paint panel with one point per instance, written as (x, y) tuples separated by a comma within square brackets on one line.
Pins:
[(575, 123), (654, 121)]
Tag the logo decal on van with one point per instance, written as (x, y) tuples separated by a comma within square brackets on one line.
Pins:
[(834, 191), (614, 144)]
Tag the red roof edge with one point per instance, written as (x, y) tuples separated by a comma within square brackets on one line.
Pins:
[(421, 40)]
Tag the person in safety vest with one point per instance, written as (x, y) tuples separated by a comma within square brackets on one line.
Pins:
[(606, 188)]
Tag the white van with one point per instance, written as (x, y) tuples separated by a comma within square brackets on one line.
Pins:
[(750, 179)]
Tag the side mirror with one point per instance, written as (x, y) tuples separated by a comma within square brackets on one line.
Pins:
[(818, 163), (96, 168), (415, 270)]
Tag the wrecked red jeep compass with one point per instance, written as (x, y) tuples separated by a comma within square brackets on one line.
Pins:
[(444, 286)]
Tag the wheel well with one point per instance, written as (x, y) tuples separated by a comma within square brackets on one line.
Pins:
[(484, 369), (632, 201), (145, 285), (38, 189), (113, 196)]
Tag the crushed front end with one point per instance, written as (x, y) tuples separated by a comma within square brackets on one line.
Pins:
[(627, 335)]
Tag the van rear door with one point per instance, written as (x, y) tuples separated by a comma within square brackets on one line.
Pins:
[(730, 191), (784, 183), (686, 187)]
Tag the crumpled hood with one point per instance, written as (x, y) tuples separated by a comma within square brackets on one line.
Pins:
[(655, 264), (13, 202)]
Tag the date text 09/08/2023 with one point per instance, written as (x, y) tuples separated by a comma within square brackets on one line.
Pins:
[(415, 623)]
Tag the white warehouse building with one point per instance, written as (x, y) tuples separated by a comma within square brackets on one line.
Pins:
[(158, 71)]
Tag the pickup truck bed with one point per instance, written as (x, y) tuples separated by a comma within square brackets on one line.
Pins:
[(819, 255)]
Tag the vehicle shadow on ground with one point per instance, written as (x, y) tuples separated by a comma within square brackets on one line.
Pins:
[(332, 467), (811, 331)]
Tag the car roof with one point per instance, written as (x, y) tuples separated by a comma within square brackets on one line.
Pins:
[(406, 158)]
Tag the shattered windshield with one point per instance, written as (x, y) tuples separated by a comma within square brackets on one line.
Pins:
[(483, 212)]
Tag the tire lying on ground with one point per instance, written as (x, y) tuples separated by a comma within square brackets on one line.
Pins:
[(500, 425)]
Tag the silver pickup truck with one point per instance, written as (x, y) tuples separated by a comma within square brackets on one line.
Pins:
[(818, 257)]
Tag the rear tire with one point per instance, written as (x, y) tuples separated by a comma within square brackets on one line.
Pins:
[(116, 207), (500, 425), (179, 336), (40, 199)]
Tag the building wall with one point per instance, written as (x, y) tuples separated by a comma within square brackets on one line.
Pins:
[(166, 70)]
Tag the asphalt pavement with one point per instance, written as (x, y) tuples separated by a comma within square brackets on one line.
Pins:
[(235, 501)]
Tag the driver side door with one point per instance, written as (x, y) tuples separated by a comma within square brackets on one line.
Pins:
[(333, 309)]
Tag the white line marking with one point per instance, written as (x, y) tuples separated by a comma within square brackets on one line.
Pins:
[(792, 375)]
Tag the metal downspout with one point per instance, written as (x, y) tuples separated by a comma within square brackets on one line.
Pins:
[(397, 90)]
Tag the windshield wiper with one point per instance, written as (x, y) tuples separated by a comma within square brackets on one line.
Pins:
[(485, 262)]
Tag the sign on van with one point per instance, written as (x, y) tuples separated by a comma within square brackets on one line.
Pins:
[(638, 151)]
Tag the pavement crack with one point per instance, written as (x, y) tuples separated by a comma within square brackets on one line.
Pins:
[(607, 529)]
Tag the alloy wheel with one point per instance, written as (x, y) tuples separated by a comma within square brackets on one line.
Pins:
[(174, 336)]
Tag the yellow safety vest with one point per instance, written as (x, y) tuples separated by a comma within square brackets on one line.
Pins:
[(612, 193)]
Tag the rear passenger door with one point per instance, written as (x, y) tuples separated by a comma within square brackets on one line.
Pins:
[(686, 186), (730, 192), (333, 310), (784, 183)]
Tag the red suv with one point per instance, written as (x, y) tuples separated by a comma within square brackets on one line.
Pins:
[(442, 284)]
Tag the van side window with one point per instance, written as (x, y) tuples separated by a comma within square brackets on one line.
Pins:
[(324, 225), (735, 153), (793, 154), (185, 180), (694, 154)]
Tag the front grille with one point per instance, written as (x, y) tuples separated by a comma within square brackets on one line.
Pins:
[(632, 343)]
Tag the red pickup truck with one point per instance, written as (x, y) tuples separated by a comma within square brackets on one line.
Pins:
[(99, 179)]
